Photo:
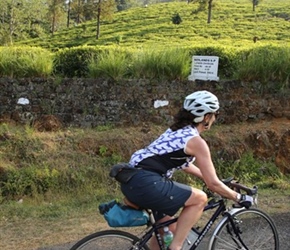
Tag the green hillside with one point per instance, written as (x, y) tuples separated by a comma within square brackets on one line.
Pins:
[(233, 23)]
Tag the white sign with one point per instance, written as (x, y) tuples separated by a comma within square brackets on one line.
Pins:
[(160, 103), (23, 101), (204, 68)]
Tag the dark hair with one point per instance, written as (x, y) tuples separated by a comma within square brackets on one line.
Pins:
[(182, 119)]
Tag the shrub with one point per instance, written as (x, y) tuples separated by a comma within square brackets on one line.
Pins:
[(176, 19), (265, 64), (168, 64), (30, 181), (73, 62), (25, 62), (247, 169), (110, 64)]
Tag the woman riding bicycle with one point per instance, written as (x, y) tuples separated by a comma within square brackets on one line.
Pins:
[(176, 149)]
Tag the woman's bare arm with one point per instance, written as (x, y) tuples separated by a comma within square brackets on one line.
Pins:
[(199, 148), (194, 170)]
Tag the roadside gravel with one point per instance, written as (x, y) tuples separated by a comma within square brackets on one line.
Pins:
[(282, 221)]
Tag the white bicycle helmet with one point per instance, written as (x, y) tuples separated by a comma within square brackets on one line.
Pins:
[(200, 103)]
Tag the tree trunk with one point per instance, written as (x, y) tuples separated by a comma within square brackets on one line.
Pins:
[(98, 19), (78, 14), (11, 25), (53, 23), (68, 14), (209, 11)]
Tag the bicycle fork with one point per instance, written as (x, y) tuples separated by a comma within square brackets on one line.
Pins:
[(234, 230)]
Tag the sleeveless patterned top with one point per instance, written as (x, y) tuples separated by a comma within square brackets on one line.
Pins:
[(166, 154)]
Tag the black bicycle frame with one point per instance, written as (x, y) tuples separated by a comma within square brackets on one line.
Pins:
[(237, 232), (221, 208), (155, 227)]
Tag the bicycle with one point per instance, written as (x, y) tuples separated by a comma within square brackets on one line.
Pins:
[(238, 228)]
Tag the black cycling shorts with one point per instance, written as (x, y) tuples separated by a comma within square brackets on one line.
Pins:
[(151, 190)]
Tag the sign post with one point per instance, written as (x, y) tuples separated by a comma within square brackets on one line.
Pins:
[(204, 68)]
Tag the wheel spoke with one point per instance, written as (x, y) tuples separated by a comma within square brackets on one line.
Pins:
[(256, 230), (107, 240), (225, 244)]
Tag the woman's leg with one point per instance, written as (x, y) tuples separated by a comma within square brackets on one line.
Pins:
[(188, 217)]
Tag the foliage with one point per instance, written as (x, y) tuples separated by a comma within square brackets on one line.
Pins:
[(73, 62), (30, 180), (248, 169), (55, 14), (109, 64), (124, 4), (143, 45), (247, 64), (266, 64), (24, 19), (171, 64), (21, 19), (176, 19), (149, 39), (232, 24), (68, 162), (25, 62), (167, 64), (34, 164)]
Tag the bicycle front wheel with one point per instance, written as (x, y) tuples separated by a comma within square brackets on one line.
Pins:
[(256, 230), (108, 240)]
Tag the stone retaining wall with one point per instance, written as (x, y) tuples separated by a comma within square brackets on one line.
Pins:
[(94, 102)]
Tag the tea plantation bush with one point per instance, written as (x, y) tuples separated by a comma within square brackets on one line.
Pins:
[(260, 63)]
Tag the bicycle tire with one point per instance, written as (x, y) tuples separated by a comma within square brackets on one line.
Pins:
[(257, 231), (108, 240)]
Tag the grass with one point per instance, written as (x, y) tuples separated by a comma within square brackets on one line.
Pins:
[(144, 43), (233, 23), (268, 64), (82, 157), (110, 64), (154, 64), (23, 62), (79, 159), (41, 225)]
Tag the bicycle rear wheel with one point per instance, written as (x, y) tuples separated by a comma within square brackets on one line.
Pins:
[(256, 229), (108, 240)]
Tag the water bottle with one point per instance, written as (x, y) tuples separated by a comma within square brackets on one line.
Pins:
[(167, 237), (190, 239)]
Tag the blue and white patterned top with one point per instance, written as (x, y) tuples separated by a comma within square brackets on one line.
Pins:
[(166, 154)]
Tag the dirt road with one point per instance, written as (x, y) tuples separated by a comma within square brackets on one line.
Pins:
[(282, 222)]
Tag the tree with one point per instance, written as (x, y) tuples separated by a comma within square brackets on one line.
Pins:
[(9, 20), (68, 13), (124, 4), (85, 10), (55, 14), (255, 3), (20, 19), (209, 11), (202, 6), (105, 10), (34, 17), (77, 9)]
